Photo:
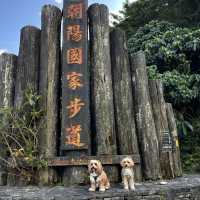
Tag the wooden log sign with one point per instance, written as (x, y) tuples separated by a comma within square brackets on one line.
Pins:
[(75, 86)]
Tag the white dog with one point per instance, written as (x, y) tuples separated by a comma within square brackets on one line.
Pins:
[(128, 174)]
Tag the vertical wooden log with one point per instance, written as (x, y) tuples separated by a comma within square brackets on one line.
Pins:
[(28, 63), (161, 123), (8, 64), (144, 118), (101, 83), (75, 140), (174, 134), (26, 74), (49, 86), (123, 98)]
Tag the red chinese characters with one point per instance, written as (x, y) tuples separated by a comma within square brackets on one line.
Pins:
[(75, 40), (75, 56), (74, 80), (73, 135), (75, 11), (74, 33), (74, 107)]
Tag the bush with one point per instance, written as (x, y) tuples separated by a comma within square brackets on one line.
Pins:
[(19, 130)]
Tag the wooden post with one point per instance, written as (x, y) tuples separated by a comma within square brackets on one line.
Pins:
[(175, 141), (28, 63), (49, 86), (8, 64), (161, 123), (26, 74), (101, 83), (144, 117), (123, 98), (75, 140)]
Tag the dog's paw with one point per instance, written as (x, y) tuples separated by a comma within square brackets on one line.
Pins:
[(102, 189), (132, 188), (91, 190), (126, 188)]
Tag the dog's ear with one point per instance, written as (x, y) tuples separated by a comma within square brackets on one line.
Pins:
[(132, 162), (100, 167), (122, 163), (89, 165)]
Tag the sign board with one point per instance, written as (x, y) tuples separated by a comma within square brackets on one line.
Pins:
[(166, 141), (75, 77)]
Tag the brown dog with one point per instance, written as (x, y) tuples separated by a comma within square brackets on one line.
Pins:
[(127, 173), (98, 177)]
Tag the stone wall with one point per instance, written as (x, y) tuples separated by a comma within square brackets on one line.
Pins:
[(185, 188)]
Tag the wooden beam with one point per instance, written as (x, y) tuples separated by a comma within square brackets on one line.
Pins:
[(49, 86), (123, 98), (161, 123), (102, 113), (144, 118), (8, 64), (75, 126), (174, 134), (28, 63), (105, 160)]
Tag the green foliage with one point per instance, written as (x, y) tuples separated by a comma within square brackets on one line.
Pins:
[(172, 56), (191, 162), (179, 87), (19, 130), (141, 12), (190, 147)]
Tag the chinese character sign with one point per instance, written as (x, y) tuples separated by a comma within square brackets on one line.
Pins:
[(75, 77)]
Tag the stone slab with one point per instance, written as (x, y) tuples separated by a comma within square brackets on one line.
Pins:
[(186, 188)]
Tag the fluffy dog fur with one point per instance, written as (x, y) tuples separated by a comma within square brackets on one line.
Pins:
[(127, 173), (98, 177)]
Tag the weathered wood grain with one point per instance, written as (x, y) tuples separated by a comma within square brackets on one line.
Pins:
[(49, 83), (26, 75), (8, 63), (101, 84), (144, 118), (75, 147), (161, 123), (83, 160), (123, 98), (28, 63), (174, 134)]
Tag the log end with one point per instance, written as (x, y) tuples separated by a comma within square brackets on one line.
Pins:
[(28, 28), (51, 8), (99, 14)]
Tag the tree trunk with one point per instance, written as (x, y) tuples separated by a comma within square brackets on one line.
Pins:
[(175, 141), (8, 64), (161, 123), (28, 63), (49, 86), (144, 119), (123, 98), (101, 84)]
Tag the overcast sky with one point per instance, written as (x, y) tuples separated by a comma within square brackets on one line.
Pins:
[(14, 14)]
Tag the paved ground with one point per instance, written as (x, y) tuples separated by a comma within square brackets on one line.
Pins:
[(187, 187)]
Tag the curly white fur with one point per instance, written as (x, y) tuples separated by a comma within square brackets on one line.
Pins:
[(128, 174)]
